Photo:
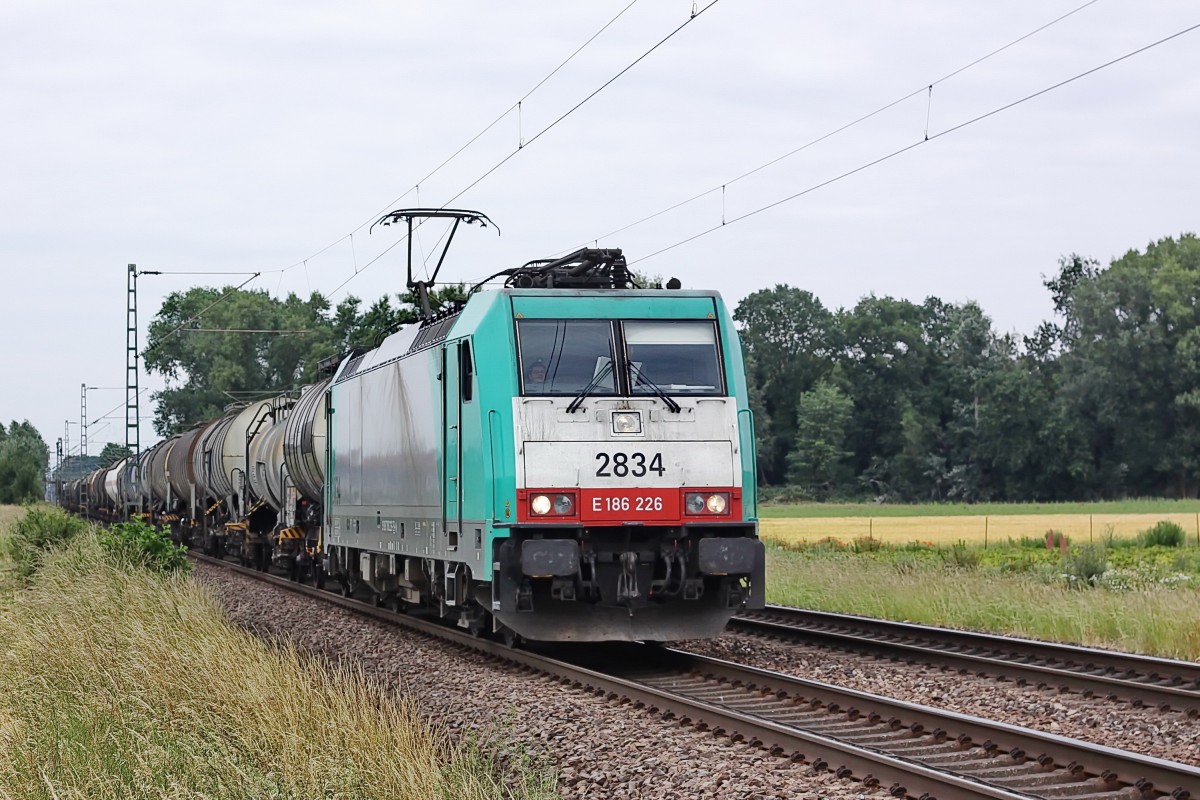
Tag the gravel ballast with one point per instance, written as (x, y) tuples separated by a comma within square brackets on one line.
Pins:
[(597, 749), (1170, 735)]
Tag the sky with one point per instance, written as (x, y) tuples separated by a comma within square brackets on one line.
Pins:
[(232, 137)]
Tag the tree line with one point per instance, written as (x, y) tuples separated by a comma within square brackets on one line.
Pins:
[(904, 401), (889, 400), (251, 346)]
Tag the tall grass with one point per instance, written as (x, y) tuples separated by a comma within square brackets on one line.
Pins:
[(119, 683), (1158, 621), (9, 514), (40, 529), (8, 570)]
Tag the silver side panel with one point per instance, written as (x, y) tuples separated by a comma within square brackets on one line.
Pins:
[(386, 440), (348, 401), (401, 437), (393, 532)]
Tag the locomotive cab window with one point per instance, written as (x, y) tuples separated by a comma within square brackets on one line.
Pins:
[(676, 356), (564, 356)]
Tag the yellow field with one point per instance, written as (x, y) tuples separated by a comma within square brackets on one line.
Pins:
[(946, 530)]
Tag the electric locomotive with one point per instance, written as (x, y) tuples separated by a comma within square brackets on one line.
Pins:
[(567, 458)]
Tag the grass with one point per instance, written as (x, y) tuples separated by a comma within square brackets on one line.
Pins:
[(121, 683), (8, 570), (1142, 604), (9, 514)]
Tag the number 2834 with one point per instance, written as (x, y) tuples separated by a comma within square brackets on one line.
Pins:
[(621, 465)]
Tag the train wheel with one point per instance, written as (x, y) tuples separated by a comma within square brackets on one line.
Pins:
[(318, 576), (347, 588), (511, 638)]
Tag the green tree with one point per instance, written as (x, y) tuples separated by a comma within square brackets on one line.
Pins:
[(1131, 335), (785, 333), (818, 463), (382, 318), (23, 460), (112, 453), (216, 347), (196, 342), (883, 348)]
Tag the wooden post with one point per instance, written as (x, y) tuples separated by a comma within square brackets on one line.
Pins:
[(985, 531), (1091, 537)]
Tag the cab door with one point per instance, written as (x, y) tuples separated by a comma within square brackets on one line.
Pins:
[(451, 444)]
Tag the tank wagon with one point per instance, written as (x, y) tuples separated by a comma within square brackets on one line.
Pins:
[(568, 458)]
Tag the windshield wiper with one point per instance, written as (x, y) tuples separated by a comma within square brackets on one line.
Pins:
[(601, 375), (654, 387)]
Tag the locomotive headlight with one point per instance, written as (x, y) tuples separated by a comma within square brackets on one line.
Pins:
[(564, 505), (716, 504), (540, 505), (699, 503), (627, 422)]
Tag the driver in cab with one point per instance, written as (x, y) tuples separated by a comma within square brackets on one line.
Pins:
[(535, 377)]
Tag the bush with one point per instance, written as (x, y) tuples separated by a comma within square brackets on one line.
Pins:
[(866, 544), (1163, 534), (960, 556), (1083, 565), (42, 528), (145, 546)]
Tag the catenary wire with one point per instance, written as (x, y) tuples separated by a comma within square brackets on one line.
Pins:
[(470, 141), (696, 15), (924, 88), (919, 142)]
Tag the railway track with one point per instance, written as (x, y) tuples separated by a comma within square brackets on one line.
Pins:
[(1141, 681), (910, 750)]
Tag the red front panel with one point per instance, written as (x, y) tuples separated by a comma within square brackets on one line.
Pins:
[(629, 505), (619, 506)]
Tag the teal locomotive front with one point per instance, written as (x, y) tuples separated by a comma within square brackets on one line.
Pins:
[(551, 464)]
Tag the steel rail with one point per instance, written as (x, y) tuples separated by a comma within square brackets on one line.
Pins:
[(919, 751), (1163, 683)]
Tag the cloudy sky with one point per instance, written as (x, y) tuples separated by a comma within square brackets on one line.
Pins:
[(232, 136)]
